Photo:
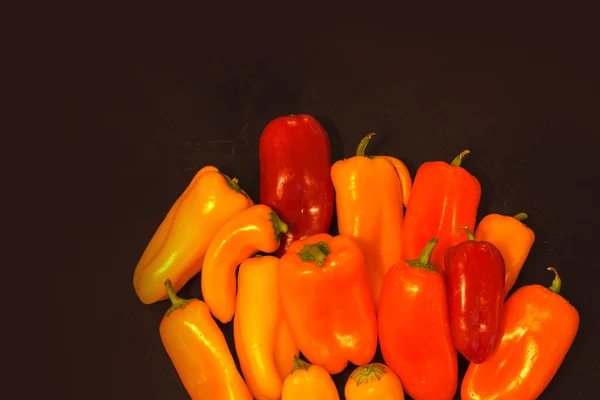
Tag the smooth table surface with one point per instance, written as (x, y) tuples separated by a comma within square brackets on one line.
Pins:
[(524, 104)]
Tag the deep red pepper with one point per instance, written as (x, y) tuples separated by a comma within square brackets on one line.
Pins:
[(475, 280), (295, 166)]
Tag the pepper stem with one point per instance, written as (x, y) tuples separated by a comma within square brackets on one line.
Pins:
[(300, 364), (423, 262), (317, 252), (362, 146), (278, 225), (368, 373), (458, 159), (521, 217), (176, 301), (556, 283), (470, 235), (233, 184)]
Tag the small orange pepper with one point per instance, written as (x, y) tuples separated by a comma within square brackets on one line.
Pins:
[(258, 329), (512, 237), (255, 229), (177, 248), (308, 381), (199, 352), (374, 381), (539, 329), (369, 193)]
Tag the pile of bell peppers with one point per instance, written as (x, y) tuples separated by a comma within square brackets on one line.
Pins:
[(410, 270)]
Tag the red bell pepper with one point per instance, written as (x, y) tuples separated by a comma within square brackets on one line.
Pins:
[(444, 197), (475, 278), (295, 165)]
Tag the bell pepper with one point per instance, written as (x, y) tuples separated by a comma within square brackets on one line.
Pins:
[(295, 161), (308, 382), (475, 284), (369, 198), (260, 330), (539, 329), (444, 197), (512, 237), (255, 229), (326, 301), (414, 328), (199, 352), (177, 248), (373, 382)]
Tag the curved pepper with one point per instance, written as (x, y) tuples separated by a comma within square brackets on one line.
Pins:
[(512, 237), (260, 330), (414, 329), (475, 285), (308, 382), (295, 161), (373, 382), (177, 248), (444, 197), (539, 329), (327, 303), (256, 229), (369, 193), (199, 352)]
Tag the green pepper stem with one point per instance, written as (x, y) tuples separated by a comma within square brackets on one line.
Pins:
[(368, 373), (317, 252), (176, 301), (470, 235), (458, 159), (556, 283), (423, 262), (279, 226), (362, 146), (300, 364), (521, 217)]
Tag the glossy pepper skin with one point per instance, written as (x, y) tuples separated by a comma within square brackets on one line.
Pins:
[(369, 198), (199, 352), (444, 197), (475, 284), (308, 382), (512, 237), (255, 229), (374, 381), (263, 341), (414, 329), (178, 246), (327, 303), (295, 161), (539, 329)]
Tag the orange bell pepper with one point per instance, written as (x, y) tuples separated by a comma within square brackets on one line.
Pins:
[(444, 197), (260, 330), (512, 237), (308, 382), (539, 329), (256, 229), (373, 382), (369, 196), (177, 248), (199, 352), (326, 301)]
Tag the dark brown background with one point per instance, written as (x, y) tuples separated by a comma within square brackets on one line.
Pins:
[(151, 99)]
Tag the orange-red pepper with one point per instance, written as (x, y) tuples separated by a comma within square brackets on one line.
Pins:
[(374, 381), (444, 197), (414, 329), (539, 329), (326, 301), (512, 237), (178, 246), (199, 352), (308, 382), (369, 196), (263, 341), (256, 229)]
